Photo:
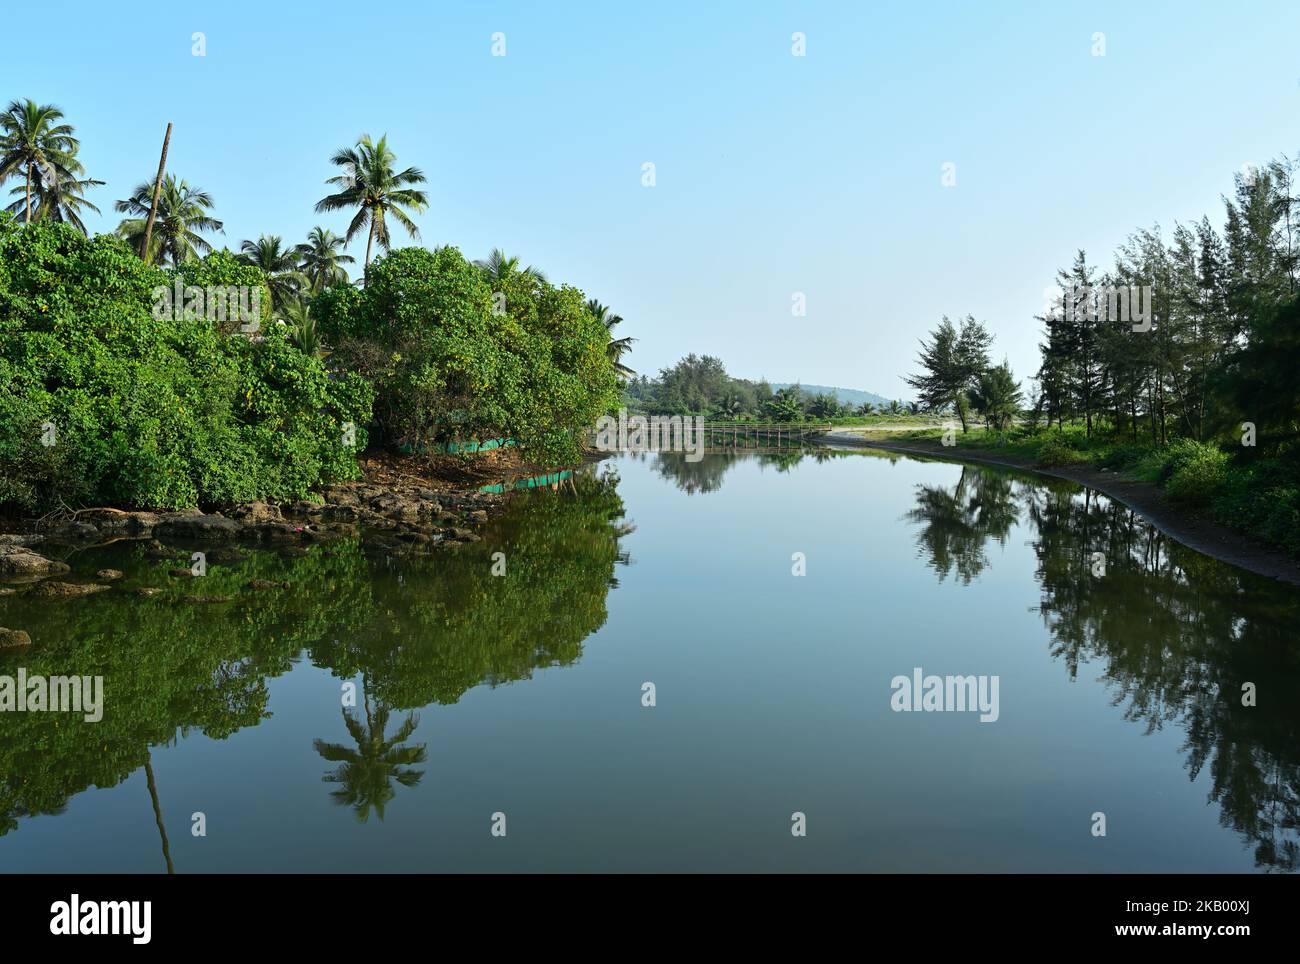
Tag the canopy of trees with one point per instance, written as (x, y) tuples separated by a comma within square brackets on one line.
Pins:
[(104, 400), (1223, 344), (700, 385)]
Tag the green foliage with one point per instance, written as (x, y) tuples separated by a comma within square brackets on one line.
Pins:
[(1056, 451), (996, 396), (1194, 472), (155, 412), (952, 364), (446, 367), (223, 269)]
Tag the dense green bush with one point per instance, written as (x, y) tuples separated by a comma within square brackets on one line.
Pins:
[(1056, 451), (446, 365), (1194, 472), (155, 412)]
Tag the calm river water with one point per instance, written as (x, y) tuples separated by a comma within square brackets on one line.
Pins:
[(487, 701)]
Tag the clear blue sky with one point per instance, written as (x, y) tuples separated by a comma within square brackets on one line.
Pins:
[(775, 174)]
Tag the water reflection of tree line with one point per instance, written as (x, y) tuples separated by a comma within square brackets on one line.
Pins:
[(1177, 632), (170, 668), (706, 475)]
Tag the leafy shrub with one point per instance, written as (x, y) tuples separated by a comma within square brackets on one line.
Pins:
[(1055, 451), (1195, 472), (446, 366), (1124, 456), (162, 412)]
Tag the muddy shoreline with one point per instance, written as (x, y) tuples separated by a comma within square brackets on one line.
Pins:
[(1205, 536)]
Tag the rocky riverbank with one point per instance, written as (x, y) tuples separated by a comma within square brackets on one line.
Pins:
[(389, 518)]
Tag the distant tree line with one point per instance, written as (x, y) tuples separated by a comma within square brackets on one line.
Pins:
[(700, 385)]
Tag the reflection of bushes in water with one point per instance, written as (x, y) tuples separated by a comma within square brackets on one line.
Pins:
[(693, 478), (451, 624), (170, 668), (706, 475), (1178, 633)]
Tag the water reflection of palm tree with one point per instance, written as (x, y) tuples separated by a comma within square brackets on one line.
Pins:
[(157, 808), (366, 774)]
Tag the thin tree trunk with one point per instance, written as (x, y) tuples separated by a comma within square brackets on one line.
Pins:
[(27, 219), (157, 189), (370, 239)]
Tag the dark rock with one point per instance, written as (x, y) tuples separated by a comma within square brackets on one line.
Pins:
[(78, 531), (65, 590), (339, 496), (13, 638), (20, 539), (213, 526), (20, 562), (339, 513), (257, 512), (278, 532), (117, 521), (156, 550)]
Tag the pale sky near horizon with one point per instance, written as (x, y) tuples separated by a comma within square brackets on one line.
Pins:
[(775, 174)]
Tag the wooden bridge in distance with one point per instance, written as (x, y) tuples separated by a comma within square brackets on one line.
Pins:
[(762, 436), (732, 437)]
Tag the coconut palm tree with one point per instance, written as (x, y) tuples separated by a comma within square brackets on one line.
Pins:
[(58, 199), (731, 406), (301, 328), (323, 260), (617, 347), (895, 408), (34, 142), (498, 267), (369, 184), (279, 264), (182, 215)]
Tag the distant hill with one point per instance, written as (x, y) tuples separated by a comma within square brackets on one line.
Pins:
[(847, 396)]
